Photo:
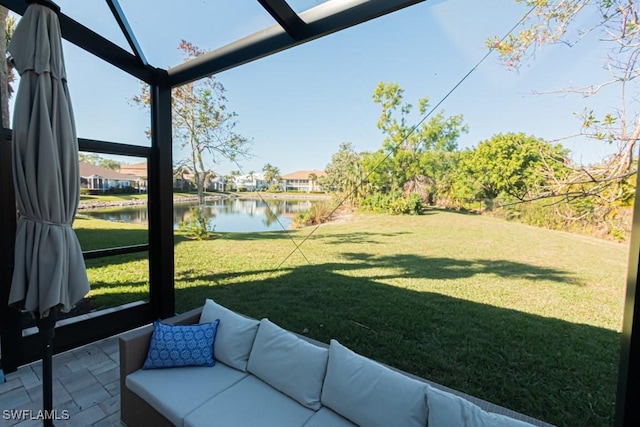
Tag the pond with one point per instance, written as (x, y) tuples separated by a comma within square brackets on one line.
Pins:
[(224, 215)]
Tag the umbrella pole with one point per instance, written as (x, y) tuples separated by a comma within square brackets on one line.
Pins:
[(46, 327)]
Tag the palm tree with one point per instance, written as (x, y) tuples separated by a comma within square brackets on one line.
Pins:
[(312, 181), (228, 182), (355, 186), (251, 176), (271, 173)]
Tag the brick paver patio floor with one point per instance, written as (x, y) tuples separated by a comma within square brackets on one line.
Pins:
[(86, 389)]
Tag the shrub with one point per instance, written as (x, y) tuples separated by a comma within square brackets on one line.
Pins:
[(196, 226), (318, 213), (579, 216), (395, 204), (414, 204), (378, 202)]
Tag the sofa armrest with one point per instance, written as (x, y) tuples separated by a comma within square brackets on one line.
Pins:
[(134, 346)]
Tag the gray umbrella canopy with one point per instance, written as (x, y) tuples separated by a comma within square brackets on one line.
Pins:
[(49, 268)]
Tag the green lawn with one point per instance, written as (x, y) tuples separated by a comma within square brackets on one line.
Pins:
[(524, 317)]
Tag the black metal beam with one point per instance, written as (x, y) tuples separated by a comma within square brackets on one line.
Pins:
[(51, 5), (286, 17), (102, 147), (121, 18), (87, 331), (627, 409), (160, 205), (94, 43), (10, 324), (320, 21), (105, 147), (121, 250)]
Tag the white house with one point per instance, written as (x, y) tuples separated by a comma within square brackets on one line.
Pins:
[(217, 183), (250, 182), (305, 180), (102, 179)]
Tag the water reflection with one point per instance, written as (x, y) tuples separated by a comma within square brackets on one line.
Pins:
[(224, 215)]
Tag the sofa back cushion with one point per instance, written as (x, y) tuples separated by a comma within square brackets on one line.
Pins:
[(447, 409), (234, 337), (370, 394), (289, 364)]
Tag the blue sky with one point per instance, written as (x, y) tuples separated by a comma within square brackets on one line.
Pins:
[(299, 105)]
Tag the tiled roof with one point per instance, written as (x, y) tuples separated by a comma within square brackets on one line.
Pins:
[(137, 169), (88, 169), (303, 174)]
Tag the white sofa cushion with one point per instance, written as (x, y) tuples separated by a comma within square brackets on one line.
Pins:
[(178, 391), (325, 417), (289, 364), (370, 394), (234, 337), (250, 402), (447, 409)]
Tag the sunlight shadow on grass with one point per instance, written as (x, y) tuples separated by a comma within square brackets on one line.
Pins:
[(523, 361), (415, 266)]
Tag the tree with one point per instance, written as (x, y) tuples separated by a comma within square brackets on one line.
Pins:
[(229, 182), (611, 184), (340, 170), (96, 159), (201, 124), (414, 159), (312, 181), (380, 171), (271, 174), (513, 165), (7, 76), (181, 180), (252, 178), (110, 164)]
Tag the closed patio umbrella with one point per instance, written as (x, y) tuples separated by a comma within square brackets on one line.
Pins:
[(49, 272)]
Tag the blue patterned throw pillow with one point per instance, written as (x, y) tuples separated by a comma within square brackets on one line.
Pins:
[(181, 345)]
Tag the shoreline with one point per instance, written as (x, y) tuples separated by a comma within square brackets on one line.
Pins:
[(103, 204)]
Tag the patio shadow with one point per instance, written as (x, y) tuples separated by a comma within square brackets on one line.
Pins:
[(501, 355)]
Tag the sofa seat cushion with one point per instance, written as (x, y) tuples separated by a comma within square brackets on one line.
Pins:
[(447, 409), (249, 402), (234, 337), (325, 417), (178, 391), (289, 364), (369, 394)]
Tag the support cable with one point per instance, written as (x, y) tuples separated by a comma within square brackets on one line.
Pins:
[(412, 130)]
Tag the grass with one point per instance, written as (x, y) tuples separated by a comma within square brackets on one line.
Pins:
[(524, 317)]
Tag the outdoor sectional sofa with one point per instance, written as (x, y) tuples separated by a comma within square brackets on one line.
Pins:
[(266, 376)]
